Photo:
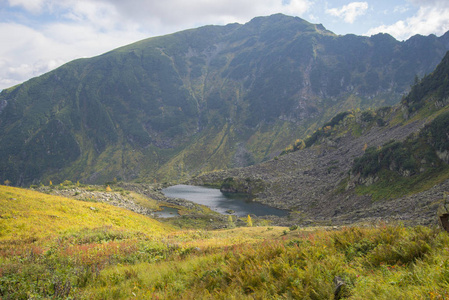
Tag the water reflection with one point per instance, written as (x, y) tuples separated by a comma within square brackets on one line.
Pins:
[(219, 202)]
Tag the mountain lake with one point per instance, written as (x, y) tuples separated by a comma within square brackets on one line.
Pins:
[(241, 205)]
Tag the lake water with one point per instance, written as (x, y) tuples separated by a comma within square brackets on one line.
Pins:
[(167, 212), (219, 202)]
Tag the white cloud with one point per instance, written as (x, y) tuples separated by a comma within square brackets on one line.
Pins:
[(82, 29), (430, 3), (349, 12), (179, 14), (31, 53), (33, 6), (428, 20), (401, 9)]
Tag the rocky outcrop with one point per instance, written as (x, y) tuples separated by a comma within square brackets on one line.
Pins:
[(443, 155)]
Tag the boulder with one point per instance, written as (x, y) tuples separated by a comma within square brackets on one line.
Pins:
[(443, 214)]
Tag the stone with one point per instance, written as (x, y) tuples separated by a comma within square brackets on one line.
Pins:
[(339, 287)]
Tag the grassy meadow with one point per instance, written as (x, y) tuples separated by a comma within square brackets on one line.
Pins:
[(58, 248)]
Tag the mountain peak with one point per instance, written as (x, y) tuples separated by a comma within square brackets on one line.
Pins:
[(280, 20)]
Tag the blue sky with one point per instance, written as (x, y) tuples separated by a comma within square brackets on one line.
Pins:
[(37, 36)]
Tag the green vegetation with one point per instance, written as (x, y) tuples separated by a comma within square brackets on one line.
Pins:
[(437, 132), (326, 130), (406, 167), (394, 156), (391, 185)]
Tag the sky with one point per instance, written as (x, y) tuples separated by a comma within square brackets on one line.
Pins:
[(37, 36)]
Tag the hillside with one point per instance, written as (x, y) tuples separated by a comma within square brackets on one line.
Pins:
[(58, 248), (389, 164), (210, 98), (30, 215)]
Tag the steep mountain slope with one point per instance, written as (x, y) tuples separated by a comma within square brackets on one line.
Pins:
[(385, 163), (210, 98)]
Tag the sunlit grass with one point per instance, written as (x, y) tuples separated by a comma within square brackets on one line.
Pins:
[(26, 213), (53, 247)]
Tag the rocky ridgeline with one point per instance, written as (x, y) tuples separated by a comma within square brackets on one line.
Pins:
[(118, 199)]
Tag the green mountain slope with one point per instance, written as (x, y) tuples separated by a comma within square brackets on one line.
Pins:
[(388, 163), (210, 98)]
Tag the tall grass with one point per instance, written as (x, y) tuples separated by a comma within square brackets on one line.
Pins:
[(390, 262), (120, 255)]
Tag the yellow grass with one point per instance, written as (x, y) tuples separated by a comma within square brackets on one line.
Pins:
[(30, 214), (228, 237)]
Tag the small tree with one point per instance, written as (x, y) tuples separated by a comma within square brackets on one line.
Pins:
[(7, 182), (51, 183), (108, 189), (249, 222)]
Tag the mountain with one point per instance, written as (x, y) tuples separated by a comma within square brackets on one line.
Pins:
[(215, 97), (385, 164)]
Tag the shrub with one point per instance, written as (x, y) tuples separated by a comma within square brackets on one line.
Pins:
[(249, 221), (294, 227), (67, 183)]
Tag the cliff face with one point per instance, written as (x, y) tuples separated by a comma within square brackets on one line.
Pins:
[(210, 98)]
